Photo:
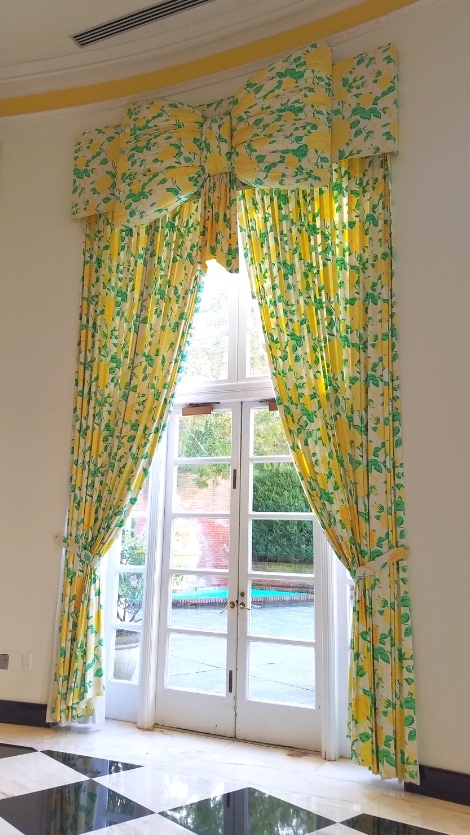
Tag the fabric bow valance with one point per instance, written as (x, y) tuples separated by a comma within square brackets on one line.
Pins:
[(283, 129)]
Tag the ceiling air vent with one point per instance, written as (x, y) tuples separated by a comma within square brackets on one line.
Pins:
[(134, 20)]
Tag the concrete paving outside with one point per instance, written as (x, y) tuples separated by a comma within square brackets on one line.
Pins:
[(279, 673)]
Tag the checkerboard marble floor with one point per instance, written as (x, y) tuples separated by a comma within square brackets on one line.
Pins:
[(123, 781)]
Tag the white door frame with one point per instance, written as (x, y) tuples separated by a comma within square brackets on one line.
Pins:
[(264, 721), (258, 721), (202, 712)]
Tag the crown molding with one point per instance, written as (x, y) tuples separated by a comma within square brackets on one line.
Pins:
[(160, 45), (183, 75)]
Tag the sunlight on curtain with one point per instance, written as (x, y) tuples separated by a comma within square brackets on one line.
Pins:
[(139, 294), (321, 267), (320, 264)]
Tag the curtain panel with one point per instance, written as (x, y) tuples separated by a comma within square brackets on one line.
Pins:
[(138, 295), (320, 264)]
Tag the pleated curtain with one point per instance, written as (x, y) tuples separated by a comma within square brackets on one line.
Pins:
[(321, 269), (299, 153), (139, 291)]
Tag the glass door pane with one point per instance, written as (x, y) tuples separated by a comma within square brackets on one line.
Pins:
[(281, 674), (276, 651), (124, 590), (198, 624), (208, 357)]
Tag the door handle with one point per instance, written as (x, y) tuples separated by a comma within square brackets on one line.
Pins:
[(230, 605), (249, 608)]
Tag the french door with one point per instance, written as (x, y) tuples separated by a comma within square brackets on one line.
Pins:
[(226, 611), (239, 618)]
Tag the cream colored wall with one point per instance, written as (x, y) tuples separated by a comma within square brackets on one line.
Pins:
[(40, 265), (40, 271), (431, 222)]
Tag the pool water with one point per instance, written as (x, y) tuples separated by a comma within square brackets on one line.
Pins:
[(216, 595)]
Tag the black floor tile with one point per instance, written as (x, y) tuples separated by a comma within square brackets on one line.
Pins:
[(370, 825), (90, 766), (69, 810), (14, 750), (86, 806), (246, 812)]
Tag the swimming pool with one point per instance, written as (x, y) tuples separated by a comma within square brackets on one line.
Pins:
[(218, 595)]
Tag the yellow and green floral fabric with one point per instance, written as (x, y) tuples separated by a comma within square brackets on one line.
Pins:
[(282, 129), (300, 149), (320, 263), (138, 296), (364, 113)]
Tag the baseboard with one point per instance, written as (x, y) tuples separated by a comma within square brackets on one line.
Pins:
[(23, 713), (443, 785)]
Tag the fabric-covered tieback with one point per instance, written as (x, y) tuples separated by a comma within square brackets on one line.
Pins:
[(82, 553), (375, 566)]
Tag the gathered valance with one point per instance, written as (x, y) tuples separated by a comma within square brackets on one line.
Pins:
[(283, 129)]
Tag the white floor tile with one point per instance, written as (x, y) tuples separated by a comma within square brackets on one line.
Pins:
[(438, 818), (33, 772), (7, 829), (160, 789), (181, 767), (336, 810)]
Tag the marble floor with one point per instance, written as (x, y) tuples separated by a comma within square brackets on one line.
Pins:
[(123, 781)]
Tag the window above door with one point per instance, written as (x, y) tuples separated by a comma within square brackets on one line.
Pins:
[(226, 354)]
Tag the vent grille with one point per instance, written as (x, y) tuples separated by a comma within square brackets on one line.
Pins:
[(134, 20)]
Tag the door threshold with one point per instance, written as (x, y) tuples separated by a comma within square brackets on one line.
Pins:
[(296, 752)]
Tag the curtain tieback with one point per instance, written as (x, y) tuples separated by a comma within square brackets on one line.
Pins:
[(82, 553), (375, 566)]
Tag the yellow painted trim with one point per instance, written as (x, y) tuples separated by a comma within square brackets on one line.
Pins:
[(317, 30)]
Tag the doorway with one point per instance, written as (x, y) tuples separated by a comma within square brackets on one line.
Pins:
[(238, 615), (244, 630)]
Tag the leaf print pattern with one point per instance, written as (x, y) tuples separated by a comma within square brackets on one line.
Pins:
[(281, 129), (275, 131), (281, 122), (95, 172), (138, 297), (320, 266), (319, 249), (365, 106)]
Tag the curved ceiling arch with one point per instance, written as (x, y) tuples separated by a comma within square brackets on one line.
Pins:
[(38, 74)]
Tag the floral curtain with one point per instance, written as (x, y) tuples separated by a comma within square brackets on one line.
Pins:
[(320, 263), (321, 268), (138, 296), (282, 129)]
